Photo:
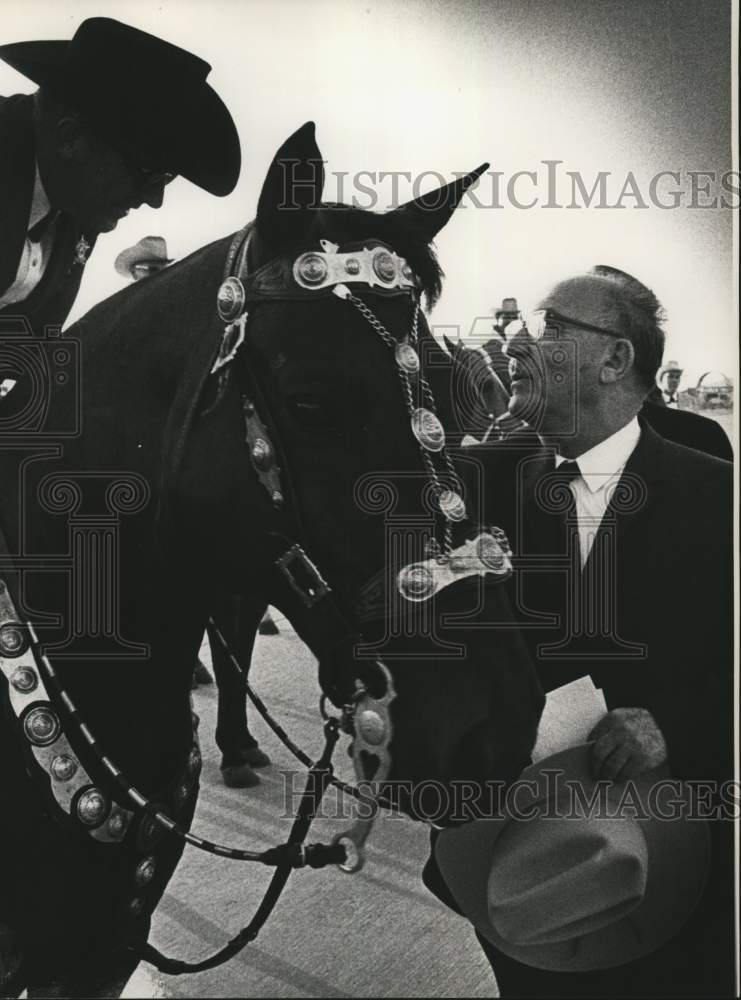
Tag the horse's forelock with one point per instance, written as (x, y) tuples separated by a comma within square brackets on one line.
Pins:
[(345, 224)]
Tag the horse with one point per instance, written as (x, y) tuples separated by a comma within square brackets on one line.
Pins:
[(265, 418)]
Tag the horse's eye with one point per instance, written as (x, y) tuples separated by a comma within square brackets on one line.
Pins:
[(312, 411)]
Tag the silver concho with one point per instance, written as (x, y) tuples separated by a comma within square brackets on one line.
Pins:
[(428, 430), (92, 807), (230, 299), (352, 265), (117, 824), (262, 454), (384, 265), (407, 358), (24, 679), (145, 871), (64, 767), (371, 726), (415, 582), (490, 553), (41, 726), (310, 270), (451, 505), (13, 640)]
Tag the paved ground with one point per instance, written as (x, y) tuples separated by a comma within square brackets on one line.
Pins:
[(376, 933)]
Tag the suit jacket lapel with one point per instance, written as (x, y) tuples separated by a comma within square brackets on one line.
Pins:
[(636, 491)]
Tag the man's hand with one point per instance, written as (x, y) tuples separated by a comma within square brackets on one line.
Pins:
[(628, 742)]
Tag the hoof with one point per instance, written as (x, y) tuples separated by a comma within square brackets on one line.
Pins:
[(239, 776), (255, 757)]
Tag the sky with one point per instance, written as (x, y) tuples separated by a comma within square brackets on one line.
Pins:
[(433, 89)]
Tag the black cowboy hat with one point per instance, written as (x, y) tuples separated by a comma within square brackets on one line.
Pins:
[(142, 93)]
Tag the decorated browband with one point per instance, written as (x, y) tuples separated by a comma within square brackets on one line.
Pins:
[(377, 267), (373, 265)]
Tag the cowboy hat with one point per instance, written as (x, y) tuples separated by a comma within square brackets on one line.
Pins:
[(670, 366), (142, 94), (151, 250), (508, 308), (571, 888)]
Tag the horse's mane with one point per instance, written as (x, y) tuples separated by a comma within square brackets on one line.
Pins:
[(394, 228)]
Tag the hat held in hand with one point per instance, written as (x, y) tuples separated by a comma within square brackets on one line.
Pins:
[(576, 887)]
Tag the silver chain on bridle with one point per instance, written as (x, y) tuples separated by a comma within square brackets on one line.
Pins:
[(426, 425)]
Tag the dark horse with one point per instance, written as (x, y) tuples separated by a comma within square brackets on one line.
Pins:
[(197, 464)]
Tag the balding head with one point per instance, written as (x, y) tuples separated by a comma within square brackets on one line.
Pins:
[(640, 317), (601, 348)]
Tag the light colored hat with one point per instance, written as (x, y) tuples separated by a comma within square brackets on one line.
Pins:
[(670, 366), (574, 888), (150, 250)]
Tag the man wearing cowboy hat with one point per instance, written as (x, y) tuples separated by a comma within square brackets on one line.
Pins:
[(144, 259), (625, 575), (668, 379), (119, 113)]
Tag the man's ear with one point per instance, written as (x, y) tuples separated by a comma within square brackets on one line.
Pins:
[(71, 138), (618, 361)]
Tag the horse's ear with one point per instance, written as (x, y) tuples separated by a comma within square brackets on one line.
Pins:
[(450, 346), (291, 190), (431, 211)]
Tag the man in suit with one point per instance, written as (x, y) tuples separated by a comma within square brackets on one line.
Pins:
[(118, 114), (668, 379), (625, 540)]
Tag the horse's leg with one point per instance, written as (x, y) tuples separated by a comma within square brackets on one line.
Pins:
[(238, 619)]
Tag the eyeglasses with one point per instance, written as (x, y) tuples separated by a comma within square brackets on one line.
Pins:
[(145, 176), (549, 322), (142, 173)]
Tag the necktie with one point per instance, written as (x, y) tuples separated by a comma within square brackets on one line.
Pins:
[(569, 470)]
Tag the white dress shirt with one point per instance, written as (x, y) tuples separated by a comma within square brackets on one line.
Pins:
[(35, 256), (670, 398), (601, 468)]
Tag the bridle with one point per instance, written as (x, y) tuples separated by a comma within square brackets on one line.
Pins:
[(365, 694)]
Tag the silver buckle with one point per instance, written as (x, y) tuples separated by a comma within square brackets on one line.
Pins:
[(312, 587)]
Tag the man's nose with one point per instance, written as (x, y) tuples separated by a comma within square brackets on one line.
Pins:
[(154, 194)]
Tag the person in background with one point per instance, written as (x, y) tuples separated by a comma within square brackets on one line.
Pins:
[(145, 258), (668, 379)]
